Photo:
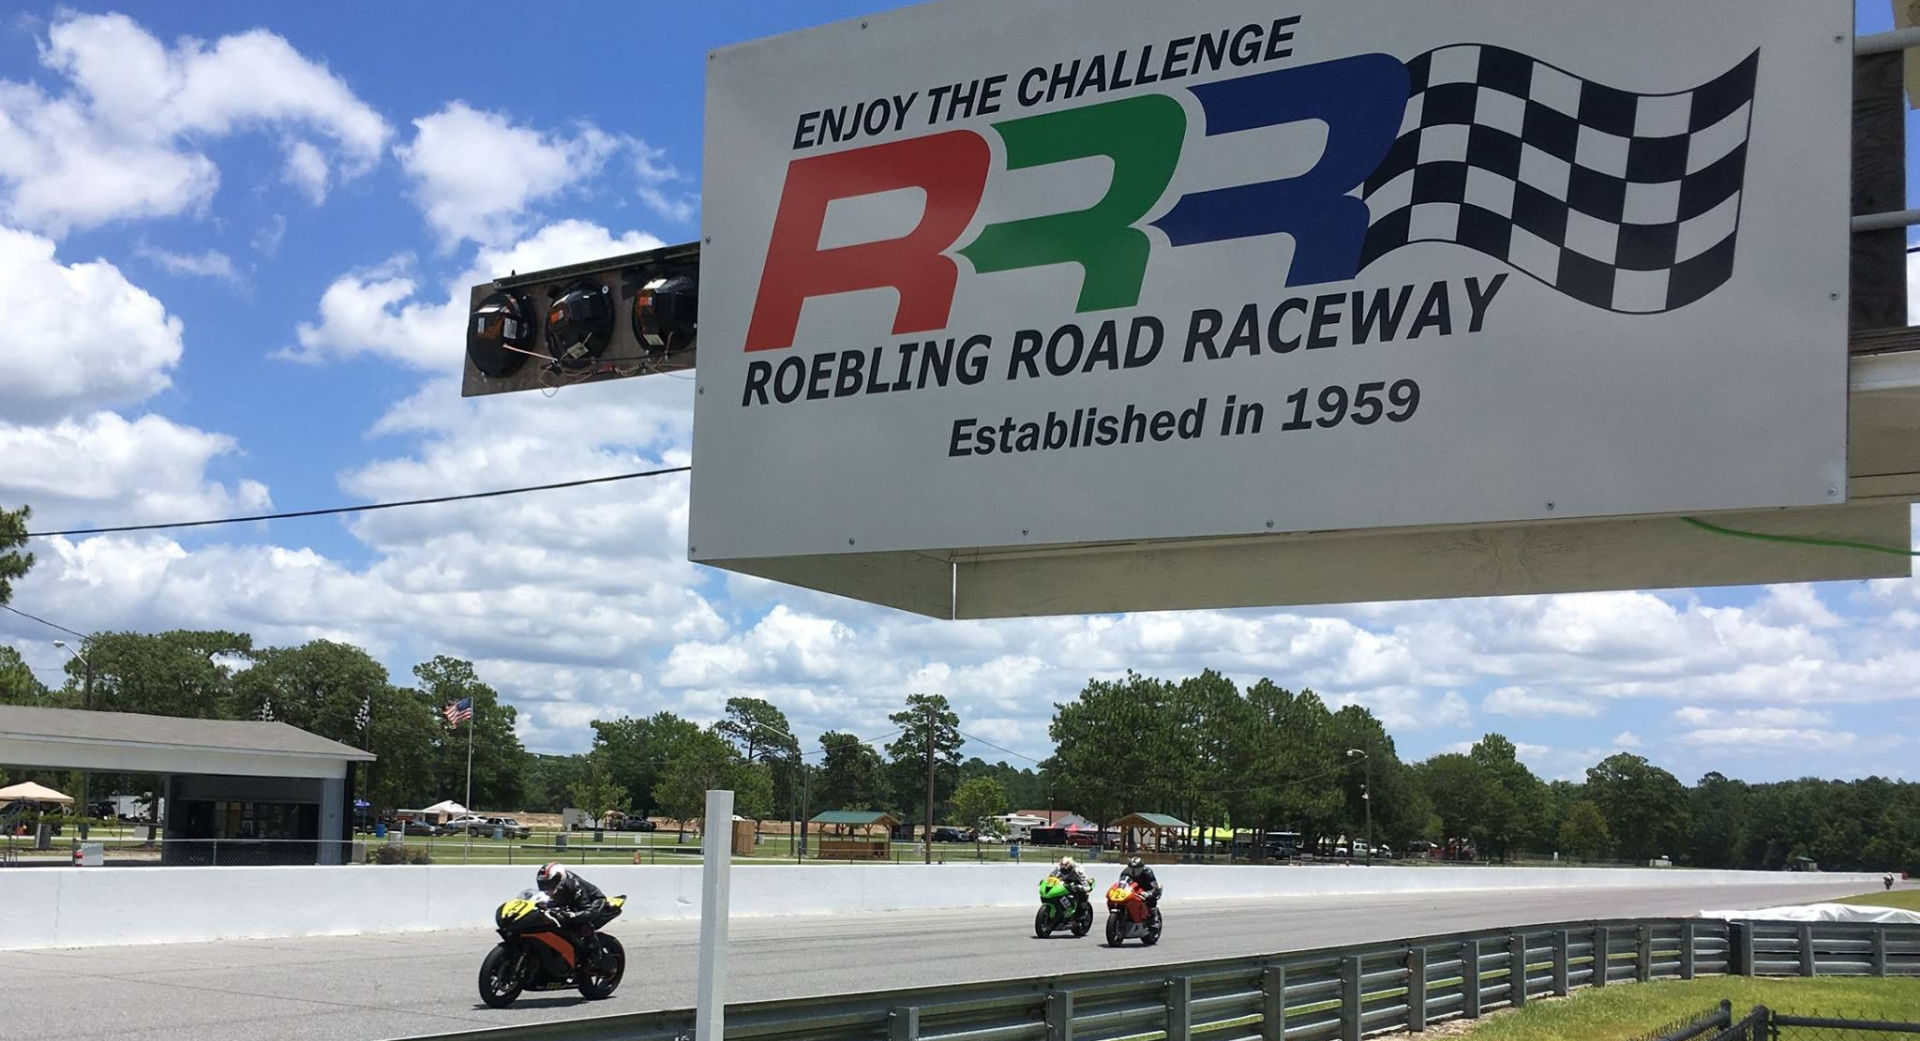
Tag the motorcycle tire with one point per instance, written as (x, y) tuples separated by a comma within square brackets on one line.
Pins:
[(599, 978), (1152, 935), (1082, 922), (1116, 930), (503, 976), (1042, 924)]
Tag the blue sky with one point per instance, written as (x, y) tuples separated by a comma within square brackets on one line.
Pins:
[(257, 221)]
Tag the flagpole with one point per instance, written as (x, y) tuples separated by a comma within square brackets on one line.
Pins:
[(472, 724)]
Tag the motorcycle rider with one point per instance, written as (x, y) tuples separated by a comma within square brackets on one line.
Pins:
[(1139, 873), (1076, 880), (573, 901)]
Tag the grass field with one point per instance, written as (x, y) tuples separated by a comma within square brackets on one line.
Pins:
[(1623, 1012), (1905, 899)]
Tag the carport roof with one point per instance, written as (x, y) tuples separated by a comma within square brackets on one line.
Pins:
[(24, 723)]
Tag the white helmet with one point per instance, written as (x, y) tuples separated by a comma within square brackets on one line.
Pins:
[(1066, 863), (551, 876)]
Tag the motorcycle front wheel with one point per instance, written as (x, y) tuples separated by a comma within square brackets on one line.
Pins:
[(1042, 923), (599, 977), (503, 974), (1116, 929)]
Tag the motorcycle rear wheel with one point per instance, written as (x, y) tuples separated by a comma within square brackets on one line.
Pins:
[(599, 977), (1042, 923), (1152, 935), (503, 974), (1083, 921)]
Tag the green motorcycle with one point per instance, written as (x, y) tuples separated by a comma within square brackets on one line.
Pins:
[(1061, 907)]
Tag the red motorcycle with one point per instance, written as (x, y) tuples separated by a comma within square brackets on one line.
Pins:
[(1130, 917)]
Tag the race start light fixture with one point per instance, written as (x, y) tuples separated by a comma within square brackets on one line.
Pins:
[(542, 330)]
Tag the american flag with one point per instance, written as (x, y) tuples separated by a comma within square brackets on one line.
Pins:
[(458, 712)]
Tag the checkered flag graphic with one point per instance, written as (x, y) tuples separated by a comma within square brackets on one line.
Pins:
[(1625, 201)]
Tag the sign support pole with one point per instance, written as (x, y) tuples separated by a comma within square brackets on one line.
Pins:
[(709, 1019)]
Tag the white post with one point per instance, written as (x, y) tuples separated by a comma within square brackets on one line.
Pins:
[(716, 848)]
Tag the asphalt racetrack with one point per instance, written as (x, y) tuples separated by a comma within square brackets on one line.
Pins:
[(403, 985)]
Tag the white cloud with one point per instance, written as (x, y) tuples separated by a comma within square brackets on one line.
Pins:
[(122, 140), (1518, 701), (306, 170), (266, 239), (658, 182), (1702, 717), (208, 264), (386, 312), (82, 336), (475, 173), (1794, 738), (1628, 739), (105, 466)]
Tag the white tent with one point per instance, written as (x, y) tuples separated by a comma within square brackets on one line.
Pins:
[(447, 808), (27, 791)]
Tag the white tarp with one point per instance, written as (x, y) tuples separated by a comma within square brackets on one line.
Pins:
[(1821, 913), (999, 274), (447, 808)]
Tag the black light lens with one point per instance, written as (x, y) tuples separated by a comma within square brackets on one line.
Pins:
[(666, 314), (499, 334), (579, 325)]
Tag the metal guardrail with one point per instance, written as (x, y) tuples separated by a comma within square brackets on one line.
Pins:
[(1333, 994)]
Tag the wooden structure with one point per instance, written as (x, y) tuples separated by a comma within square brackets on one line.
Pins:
[(842, 842), (1153, 837)]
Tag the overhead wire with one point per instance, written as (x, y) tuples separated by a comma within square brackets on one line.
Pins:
[(364, 508), (43, 621)]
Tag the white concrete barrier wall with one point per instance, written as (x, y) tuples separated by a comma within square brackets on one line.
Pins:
[(77, 907)]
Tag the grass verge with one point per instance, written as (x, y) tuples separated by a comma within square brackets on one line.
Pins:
[(1620, 1012), (1905, 899)]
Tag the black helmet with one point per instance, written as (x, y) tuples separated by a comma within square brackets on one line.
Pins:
[(1136, 863)]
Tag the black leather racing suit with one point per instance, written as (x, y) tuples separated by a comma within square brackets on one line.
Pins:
[(574, 902), (1143, 876)]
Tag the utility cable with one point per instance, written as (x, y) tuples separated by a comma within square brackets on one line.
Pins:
[(43, 621), (367, 508), (1801, 540)]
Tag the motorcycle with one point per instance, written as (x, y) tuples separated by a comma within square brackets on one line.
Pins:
[(1129, 917), (1061, 907), (533, 954)]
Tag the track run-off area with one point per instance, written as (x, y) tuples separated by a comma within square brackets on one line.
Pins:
[(366, 988)]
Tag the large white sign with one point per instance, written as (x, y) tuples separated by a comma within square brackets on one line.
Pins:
[(1001, 273)]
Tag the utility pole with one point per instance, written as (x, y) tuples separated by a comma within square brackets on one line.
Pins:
[(1366, 793), (1366, 797), (929, 833), (86, 702)]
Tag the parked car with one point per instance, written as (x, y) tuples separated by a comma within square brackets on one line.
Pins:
[(618, 822), (952, 835), (472, 822), (424, 828), (509, 827)]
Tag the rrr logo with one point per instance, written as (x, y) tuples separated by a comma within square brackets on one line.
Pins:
[(1360, 99)]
